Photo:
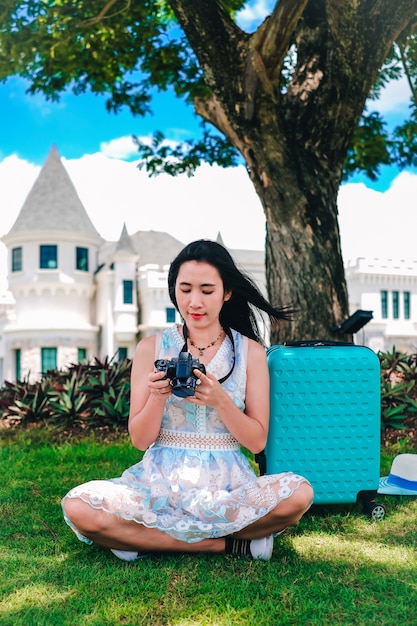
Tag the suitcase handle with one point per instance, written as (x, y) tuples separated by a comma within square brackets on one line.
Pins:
[(316, 342), (309, 343)]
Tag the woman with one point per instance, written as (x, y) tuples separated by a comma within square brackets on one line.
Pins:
[(194, 490)]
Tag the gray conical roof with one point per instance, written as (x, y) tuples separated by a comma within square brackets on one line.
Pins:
[(125, 244), (220, 239), (53, 202)]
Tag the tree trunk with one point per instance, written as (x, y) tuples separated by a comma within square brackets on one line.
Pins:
[(304, 266), (294, 132)]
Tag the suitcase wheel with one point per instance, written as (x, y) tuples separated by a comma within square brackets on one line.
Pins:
[(375, 511)]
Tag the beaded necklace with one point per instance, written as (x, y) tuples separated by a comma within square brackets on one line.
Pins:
[(227, 332), (212, 343)]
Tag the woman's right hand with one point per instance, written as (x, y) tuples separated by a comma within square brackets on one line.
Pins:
[(159, 385)]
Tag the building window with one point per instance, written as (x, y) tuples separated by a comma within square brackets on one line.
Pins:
[(17, 363), (122, 353), (407, 305), (82, 354), (49, 359), (81, 262), (170, 314), (17, 260), (395, 305), (128, 292), (384, 304), (48, 257)]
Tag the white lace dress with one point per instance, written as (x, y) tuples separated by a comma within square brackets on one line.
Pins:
[(194, 482)]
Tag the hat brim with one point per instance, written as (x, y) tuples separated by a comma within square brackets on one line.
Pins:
[(392, 490)]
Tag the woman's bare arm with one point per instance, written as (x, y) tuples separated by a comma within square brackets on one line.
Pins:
[(146, 405)]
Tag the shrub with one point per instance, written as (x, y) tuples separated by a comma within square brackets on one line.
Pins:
[(398, 388), (95, 394)]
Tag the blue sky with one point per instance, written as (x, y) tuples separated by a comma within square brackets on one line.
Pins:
[(78, 125)]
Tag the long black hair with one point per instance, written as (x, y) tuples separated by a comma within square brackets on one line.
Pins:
[(239, 312)]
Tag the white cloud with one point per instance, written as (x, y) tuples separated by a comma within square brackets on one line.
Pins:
[(114, 192), (124, 147), (254, 13), (16, 178), (121, 148), (213, 200), (379, 225), (395, 98)]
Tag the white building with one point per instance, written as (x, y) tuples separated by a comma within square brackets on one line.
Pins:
[(389, 289), (74, 296)]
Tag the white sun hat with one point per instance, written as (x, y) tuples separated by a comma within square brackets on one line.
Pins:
[(402, 479)]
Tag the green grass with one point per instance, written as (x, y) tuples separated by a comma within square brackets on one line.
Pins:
[(337, 567)]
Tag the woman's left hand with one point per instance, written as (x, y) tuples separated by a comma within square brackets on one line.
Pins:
[(207, 390)]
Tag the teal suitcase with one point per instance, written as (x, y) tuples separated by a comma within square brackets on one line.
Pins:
[(325, 420)]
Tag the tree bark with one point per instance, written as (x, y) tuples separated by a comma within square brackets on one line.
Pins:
[(294, 135)]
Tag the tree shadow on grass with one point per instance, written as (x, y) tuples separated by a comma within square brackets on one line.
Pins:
[(87, 585)]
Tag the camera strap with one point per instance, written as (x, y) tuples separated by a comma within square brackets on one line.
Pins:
[(228, 333)]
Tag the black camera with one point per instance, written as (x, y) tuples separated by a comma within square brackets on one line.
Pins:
[(180, 373)]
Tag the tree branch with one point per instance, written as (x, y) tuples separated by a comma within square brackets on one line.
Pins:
[(407, 72), (381, 20), (103, 14), (220, 46), (213, 35), (273, 38)]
